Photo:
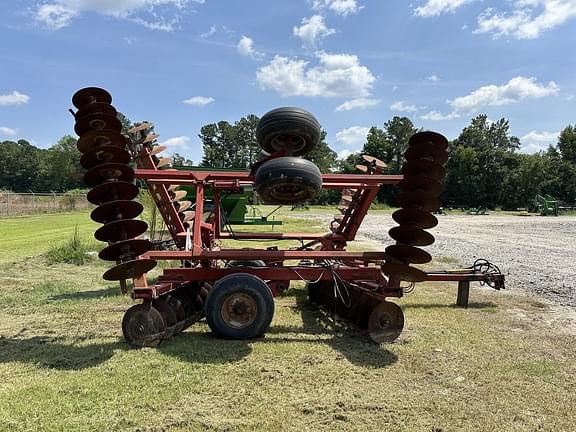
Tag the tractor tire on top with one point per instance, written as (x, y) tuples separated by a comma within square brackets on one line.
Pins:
[(291, 129), (288, 180)]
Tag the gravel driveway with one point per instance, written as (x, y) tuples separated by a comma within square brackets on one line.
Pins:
[(537, 254)]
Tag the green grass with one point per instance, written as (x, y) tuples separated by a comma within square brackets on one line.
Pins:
[(506, 363)]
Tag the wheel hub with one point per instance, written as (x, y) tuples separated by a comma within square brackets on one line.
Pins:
[(239, 310)]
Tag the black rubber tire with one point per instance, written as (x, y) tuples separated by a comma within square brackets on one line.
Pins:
[(239, 284), (288, 180), (245, 263), (288, 128)]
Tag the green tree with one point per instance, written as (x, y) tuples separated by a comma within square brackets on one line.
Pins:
[(397, 132), (567, 144), (323, 156), (22, 166), (63, 169)]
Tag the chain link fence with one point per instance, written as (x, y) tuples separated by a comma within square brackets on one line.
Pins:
[(26, 204)]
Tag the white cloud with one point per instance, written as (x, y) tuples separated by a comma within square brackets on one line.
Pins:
[(401, 106), (179, 142), (359, 103), (312, 30), (336, 75), (7, 131), (209, 33), (434, 8), (340, 7), (245, 48), (352, 136), (14, 98), (528, 20), (433, 78), (436, 116), (199, 100), (57, 14), (534, 141), (343, 154), (513, 91)]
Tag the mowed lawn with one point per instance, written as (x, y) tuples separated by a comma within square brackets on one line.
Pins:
[(507, 363)]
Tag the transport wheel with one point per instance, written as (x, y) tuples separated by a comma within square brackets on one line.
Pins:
[(168, 315), (288, 180), (239, 306), (385, 322), (292, 129), (143, 326)]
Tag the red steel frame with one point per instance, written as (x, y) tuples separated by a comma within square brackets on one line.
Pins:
[(353, 267)]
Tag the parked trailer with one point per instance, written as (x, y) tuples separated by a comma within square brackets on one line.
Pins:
[(234, 288)]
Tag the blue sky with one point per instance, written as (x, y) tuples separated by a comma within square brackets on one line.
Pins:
[(353, 63)]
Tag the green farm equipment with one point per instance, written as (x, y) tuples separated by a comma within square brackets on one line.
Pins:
[(546, 205)]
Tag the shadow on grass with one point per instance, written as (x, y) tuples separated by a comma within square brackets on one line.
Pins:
[(49, 352), (471, 305), (87, 295), (203, 347)]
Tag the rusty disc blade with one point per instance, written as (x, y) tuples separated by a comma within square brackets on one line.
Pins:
[(425, 168), (165, 161), (362, 168), (123, 229), (178, 195), (373, 160), (129, 269), (113, 191), (183, 205), (187, 216), (156, 150), (415, 218), (421, 184), (343, 210), (97, 121), (385, 322), (149, 138), (106, 172), (435, 138), (427, 151), (89, 95), (116, 210), (125, 250), (100, 137), (96, 108), (411, 236), (172, 187), (418, 200), (140, 127), (403, 272), (104, 154), (408, 254)]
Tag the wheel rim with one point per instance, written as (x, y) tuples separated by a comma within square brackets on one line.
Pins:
[(292, 143), (239, 310)]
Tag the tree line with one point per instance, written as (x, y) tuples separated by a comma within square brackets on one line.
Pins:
[(485, 167)]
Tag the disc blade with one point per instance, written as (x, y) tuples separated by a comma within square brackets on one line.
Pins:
[(149, 138), (187, 216), (156, 150), (362, 168), (125, 250), (104, 154), (165, 161), (408, 254), (435, 138), (172, 187), (89, 95), (140, 127), (116, 210), (107, 192), (410, 236), (96, 108), (403, 272), (421, 184), (123, 229), (373, 160), (183, 205), (425, 168), (418, 200), (108, 172), (129, 269), (97, 121), (415, 218), (427, 151), (178, 195), (385, 322), (100, 137)]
